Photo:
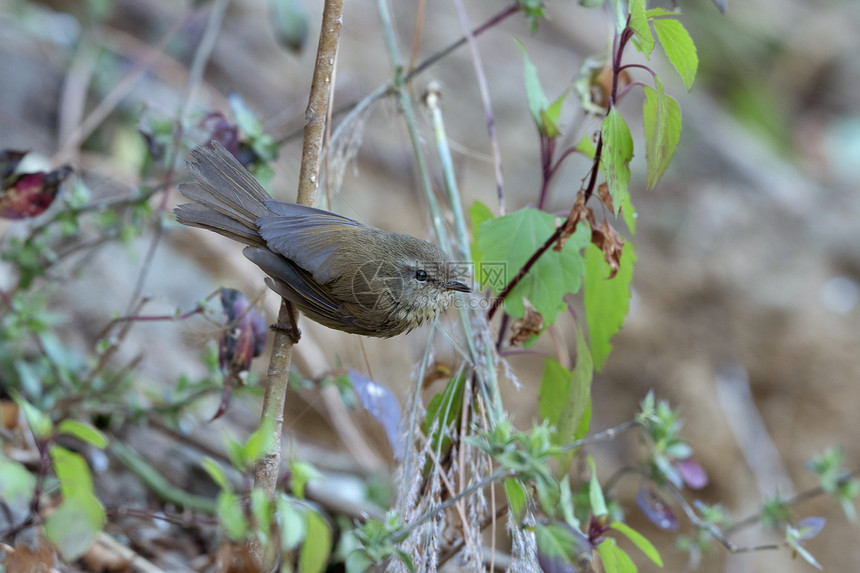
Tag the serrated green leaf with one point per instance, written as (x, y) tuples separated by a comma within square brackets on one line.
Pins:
[(291, 522), (506, 243), (84, 432), (478, 213), (231, 516), (517, 498), (617, 153), (606, 300), (217, 474), (639, 541), (660, 12), (565, 399), (534, 92), (317, 546), (643, 39), (595, 493), (679, 48), (661, 118)]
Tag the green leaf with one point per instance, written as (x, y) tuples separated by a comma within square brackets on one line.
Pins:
[(643, 39), (261, 509), (478, 213), (231, 516), (302, 473), (556, 544), (74, 525), (358, 562), (317, 546), (259, 443), (565, 502), (660, 12), (291, 522), (661, 118), (614, 559), (16, 483), (617, 153), (606, 300), (679, 48), (517, 498), (443, 411), (217, 474), (245, 118), (506, 243), (586, 147), (39, 422), (550, 116), (639, 541), (290, 23), (534, 92), (620, 7), (628, 212), (565, 399), (595, 494), (84, 432)]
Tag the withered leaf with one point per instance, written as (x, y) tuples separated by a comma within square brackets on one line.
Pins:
[(244, 338), (30, 194)]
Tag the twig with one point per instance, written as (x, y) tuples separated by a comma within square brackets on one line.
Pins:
[(601, 436), (485, 99), (195, 76), (712, 529), (268, 467), (794, 500)]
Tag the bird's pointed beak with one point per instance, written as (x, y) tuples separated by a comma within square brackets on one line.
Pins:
[(457, 286)]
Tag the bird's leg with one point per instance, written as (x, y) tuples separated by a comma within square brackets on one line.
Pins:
[(291, 329)]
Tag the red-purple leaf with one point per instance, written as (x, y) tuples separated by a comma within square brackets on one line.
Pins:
[(692, 473), (383, 406), (655, 508), (30, 194), (243, 339), (222, 131)]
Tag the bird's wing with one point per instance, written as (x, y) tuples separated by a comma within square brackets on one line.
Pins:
[(300, 288), (311, 238)]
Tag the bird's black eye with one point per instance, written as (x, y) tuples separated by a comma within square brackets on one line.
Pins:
[(420, 275)]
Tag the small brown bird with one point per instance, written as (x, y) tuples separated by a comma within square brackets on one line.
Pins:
[(341, 273)]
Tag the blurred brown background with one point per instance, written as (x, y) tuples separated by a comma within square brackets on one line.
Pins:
[(744, 311)]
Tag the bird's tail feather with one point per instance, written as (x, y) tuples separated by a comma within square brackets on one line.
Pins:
[(225, 198)]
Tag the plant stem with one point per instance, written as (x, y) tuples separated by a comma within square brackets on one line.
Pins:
[(268, 467)]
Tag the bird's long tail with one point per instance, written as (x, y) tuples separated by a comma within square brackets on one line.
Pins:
[(225, 198)]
